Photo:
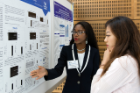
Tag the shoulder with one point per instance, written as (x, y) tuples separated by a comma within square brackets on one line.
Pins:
[(127, 62), (94, 50), (67, 47), (126, 59)]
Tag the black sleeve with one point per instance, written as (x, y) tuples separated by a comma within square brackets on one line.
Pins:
[(96, 62), (58, 69)]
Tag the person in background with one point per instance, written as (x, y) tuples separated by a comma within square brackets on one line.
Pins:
[(81, 59), (119, 71)]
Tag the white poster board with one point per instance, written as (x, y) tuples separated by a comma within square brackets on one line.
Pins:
[(25, 31), (63, 25), (27, 38)]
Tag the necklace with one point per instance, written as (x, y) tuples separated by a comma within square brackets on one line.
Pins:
[(81, 49)]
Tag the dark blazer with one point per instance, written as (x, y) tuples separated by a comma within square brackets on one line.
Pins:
[(74, 82)]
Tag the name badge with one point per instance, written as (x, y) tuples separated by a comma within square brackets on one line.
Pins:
[(72, 64)]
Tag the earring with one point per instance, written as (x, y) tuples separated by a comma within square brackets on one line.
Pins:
[(86, 42)]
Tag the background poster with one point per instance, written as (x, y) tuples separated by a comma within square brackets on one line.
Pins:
[(63, 25)]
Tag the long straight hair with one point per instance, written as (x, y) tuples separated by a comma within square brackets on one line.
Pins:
[(128, 39), (90, 34)]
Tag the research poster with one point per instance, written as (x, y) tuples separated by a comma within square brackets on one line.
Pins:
[(25, 34), (63, 25)]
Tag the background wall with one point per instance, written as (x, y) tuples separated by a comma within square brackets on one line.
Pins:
[(97, 12)]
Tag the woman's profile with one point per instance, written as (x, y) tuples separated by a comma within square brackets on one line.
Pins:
[(119, 71)]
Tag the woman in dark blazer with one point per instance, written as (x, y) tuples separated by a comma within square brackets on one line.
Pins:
[(81, 59)]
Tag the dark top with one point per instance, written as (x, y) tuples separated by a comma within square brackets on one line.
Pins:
[(74, 82)]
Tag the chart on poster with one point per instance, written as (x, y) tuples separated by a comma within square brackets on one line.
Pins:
[(25, 34)]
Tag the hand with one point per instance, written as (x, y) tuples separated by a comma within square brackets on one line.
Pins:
[(106, 56), (39, 73)]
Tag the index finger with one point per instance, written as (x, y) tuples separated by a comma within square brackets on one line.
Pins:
[(34, 71)]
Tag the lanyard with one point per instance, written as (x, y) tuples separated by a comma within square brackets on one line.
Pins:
[(86, 60)]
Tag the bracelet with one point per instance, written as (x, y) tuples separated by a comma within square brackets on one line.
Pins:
[(102, 65)]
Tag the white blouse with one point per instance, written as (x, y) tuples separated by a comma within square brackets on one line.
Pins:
[(81, 58), (121, 77)]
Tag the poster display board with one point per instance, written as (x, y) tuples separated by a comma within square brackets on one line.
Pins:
[(32, 34), (25, 34), (63, 25)]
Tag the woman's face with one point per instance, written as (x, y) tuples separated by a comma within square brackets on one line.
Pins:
[(110, 38), (79, 34)]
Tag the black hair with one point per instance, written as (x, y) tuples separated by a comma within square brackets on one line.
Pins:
[(90, 34)]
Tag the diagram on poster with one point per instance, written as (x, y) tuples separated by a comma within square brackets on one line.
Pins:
[(25, 33), (63, 24)]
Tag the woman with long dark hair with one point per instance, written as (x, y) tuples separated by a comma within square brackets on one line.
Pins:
[(81, 59), (119, 71)]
